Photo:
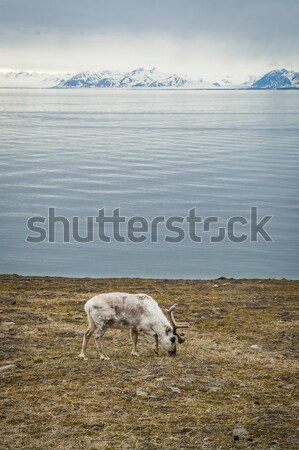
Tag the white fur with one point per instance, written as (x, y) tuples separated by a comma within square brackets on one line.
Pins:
[(137, 312)]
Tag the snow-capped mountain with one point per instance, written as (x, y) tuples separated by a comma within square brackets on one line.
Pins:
[(15, 79), (277, 79), (104, 79), (143, 79), (137, 78)]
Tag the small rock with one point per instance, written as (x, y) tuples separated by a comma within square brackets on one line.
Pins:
[(176, 390), (287, 336), (239, 433), (255, 347), (78, 317), (186, 430), (215, 285), (155, 397), (295, 405), (7, 368), (96, 426), (236, 396), (288, 386), (9, 323), (141, 393), (215, 389)]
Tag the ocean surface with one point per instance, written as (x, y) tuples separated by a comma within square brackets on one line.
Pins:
[(150, 153)]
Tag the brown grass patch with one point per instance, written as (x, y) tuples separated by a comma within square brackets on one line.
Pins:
[(52, 400)]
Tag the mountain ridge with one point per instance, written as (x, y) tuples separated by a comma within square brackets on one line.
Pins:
[(141, 78)]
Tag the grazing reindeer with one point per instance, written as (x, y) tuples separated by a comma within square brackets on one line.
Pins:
[(139, 313)]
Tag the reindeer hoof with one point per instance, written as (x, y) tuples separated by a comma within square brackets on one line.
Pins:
[(82, 357), (134, 353), (104, 358)]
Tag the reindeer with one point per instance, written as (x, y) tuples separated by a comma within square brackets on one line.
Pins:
[(137, 312)]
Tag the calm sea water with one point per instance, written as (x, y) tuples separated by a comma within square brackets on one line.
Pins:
[(150, 153)]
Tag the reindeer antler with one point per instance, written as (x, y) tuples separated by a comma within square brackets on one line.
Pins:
[(176, 325)]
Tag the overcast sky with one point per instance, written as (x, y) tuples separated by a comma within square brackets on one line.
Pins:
[(195, 37)]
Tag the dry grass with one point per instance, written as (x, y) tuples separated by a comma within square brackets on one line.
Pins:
[(52, 400)]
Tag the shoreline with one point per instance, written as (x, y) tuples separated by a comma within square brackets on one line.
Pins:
[(54, 88), (16, 275)]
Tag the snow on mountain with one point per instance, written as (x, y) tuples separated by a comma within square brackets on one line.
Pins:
[(137, 78), (104, 79), (15, 79), (143, 79), (83, 79), (277, 79), (140, 78), (248, 82)]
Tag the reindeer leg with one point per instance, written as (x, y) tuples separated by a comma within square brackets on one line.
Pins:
[(91, 328), (134, 338), (156, 345), (100, 332)]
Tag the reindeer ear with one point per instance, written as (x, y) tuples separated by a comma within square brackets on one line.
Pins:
[(168, 330)]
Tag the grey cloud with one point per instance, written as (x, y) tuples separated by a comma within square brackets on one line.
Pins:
[(253, 29), (263, 18)]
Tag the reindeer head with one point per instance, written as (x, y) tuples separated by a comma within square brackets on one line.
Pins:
[(172, 333)]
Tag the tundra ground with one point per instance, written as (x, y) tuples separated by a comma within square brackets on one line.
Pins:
[(237, 369)]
